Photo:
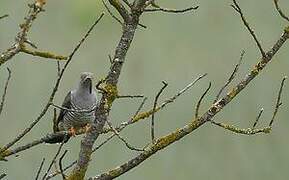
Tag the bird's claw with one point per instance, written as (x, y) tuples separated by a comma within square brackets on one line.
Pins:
[(87, 128), (72, 132)]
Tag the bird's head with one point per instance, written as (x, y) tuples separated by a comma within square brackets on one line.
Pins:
[(86, 80)]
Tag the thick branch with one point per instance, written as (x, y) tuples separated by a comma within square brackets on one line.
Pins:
[(20, 39), (165, 141), (129, 28)]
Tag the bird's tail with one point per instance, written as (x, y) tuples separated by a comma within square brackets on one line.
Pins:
[(57, 138)]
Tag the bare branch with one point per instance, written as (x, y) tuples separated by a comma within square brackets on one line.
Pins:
[(130, 96), (140, 106), (237, 8), (53, 160), (58, 68), (154, 109), (280, 11), (58, 172), (200, 101), (139, 116), (43, 112), (5, 91), (39, 169), (42, 54), (248, 131), (4, 16), (179, 133), (122, 139), (30, 43), (111, 14), (251, 131), (231, 78), (257, 119), (60, 165), (3, 175), (120, 8), (278, 102), (167, 10), (21, 37)]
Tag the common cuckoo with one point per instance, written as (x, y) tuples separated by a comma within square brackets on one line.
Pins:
[(78, 108)]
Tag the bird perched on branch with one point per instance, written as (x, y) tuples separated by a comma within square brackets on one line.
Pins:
[(78, 109)]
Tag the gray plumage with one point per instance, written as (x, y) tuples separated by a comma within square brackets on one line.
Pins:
[(82, 102)]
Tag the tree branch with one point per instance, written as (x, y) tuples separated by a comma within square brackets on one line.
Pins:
[(176, 135), (237, 8), (43, 54), (39, 169), (167, 10), (5, 91), (4, 16), (34, 10), (4, 150), (280, 11), (154, 109), (231, 78)]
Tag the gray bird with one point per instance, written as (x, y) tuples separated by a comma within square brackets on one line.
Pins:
[(81, 103)]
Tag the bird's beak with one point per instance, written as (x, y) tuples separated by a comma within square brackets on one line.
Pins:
[(90, 87), (89, 78)]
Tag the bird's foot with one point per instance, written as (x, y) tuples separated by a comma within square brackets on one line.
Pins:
[(87, 128), (72, 131)]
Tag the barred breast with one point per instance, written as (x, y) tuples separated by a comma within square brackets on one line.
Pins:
[(78, 119)]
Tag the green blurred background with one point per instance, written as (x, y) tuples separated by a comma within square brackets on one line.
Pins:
[(174, 48)]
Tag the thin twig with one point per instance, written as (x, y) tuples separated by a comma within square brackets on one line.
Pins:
[(58, 68), (39, 169), (123, 125), (3, 175), (257, 118), (237, 8), (167, 10), (251, 131), (248, 131), (4, 16), (53, 160), (280, 11), (110, 59), (43, 54), (137, 116), (5, 90), (140, 106), (146, 114), (60, 165), (122, 139), (43, 112), (73, 110), (120, 8), (165, 84), (200, 101), (21, 36), (231, 78), (111, 14), (130, 96), (278, 102), (31, 43), (64, 170)]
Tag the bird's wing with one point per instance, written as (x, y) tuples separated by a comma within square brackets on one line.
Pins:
[(66, 104)]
